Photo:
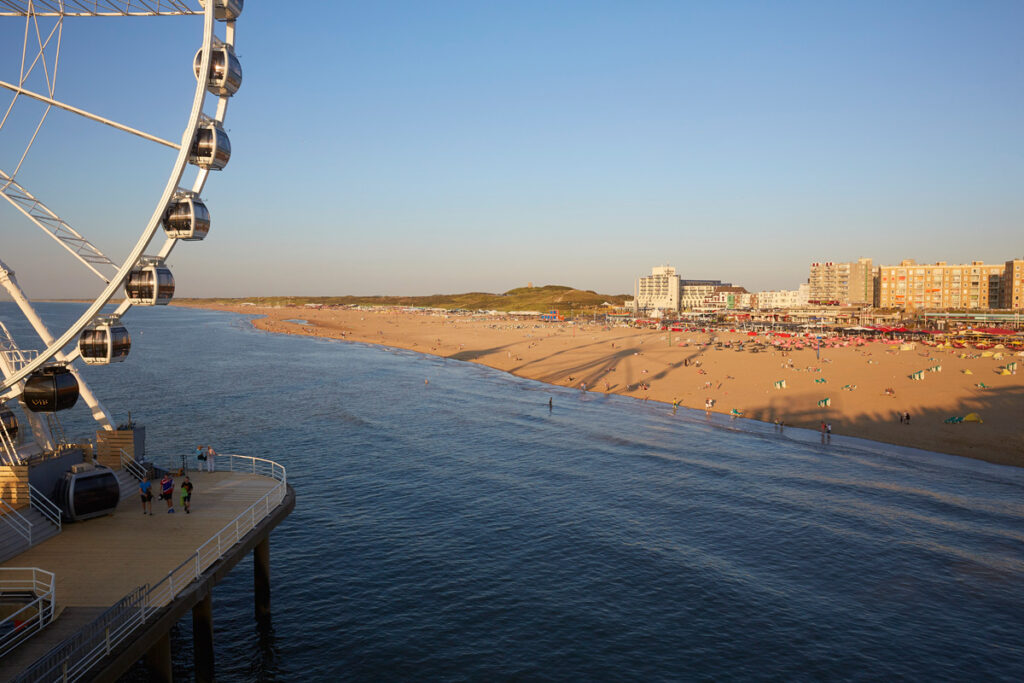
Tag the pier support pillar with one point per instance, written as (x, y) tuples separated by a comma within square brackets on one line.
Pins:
[(261, 577), (158, 660), (202, 639)]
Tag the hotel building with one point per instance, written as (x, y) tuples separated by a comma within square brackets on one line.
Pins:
[(658, 292), (693, 294)]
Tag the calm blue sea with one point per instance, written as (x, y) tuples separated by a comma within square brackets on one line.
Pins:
[(458, 530)]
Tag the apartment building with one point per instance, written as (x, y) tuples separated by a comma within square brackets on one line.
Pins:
[(1011, 289), (784, 298), (842, 283), (913, 286)]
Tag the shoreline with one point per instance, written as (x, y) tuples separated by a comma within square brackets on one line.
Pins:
[(682, 368)]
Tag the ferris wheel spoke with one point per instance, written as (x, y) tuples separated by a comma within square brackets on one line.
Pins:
[(97, 8), (89, 115), (55, 226)]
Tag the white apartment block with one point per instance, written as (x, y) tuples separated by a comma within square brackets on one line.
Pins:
[(785, 298), (658, 293)]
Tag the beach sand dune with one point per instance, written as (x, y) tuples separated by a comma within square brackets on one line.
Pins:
[(690, 368)]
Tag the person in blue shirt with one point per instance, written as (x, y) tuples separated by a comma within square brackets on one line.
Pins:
[(146, 493), (201, 456)]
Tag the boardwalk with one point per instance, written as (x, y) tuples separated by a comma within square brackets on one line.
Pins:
[(99, 561)]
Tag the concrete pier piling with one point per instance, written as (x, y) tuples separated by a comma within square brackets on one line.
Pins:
[(261, 578)]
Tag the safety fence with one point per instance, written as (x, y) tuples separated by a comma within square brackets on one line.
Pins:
[(133, 468), (16, 521), (46, 507), (73, 658), (33, 586)]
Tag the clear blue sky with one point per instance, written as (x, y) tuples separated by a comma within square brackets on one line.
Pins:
[(413, 148)]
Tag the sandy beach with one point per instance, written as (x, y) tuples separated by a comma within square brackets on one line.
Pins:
[(867, 385)]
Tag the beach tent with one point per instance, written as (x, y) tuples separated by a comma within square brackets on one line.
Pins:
[(967, 371), (918, 375), (781, 384), (1005, 372), (824, 403), (935, 368), (973, 417)]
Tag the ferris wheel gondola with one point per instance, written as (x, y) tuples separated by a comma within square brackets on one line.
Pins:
[(46, 377), (225, 71), (187, 218), (150, 284), (106, 341), (49, 389)]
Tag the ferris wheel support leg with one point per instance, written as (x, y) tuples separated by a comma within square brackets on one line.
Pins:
[(10, 283)]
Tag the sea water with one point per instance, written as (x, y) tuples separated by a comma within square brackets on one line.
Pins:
[(461, 530)]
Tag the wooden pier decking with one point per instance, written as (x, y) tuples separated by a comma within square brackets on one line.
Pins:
[(99, 561)]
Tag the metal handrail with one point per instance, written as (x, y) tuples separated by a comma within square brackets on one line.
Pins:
[(34, 616), (46, 507), (133, 468), (82, 651), (16, 520)]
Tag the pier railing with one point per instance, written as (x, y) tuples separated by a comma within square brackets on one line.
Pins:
[(181, 576), (46, 507), (133, 468), (16, 521), (76, 656), (37, 587)]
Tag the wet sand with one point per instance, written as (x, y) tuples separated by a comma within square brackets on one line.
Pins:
[(680, 367)]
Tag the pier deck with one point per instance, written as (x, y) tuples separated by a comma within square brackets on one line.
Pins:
[(98, 561)]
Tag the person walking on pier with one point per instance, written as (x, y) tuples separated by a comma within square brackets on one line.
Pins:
[(146, 494), (186, 495), (167, 492)]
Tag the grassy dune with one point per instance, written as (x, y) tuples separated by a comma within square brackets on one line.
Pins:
[(544, 298)]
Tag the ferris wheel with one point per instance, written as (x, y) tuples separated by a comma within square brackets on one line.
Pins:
[(44, 379)]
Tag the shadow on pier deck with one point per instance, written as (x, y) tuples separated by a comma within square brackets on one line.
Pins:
[(122, 581)]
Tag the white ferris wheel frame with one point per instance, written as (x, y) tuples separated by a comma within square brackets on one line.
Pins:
[(12, 383)]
